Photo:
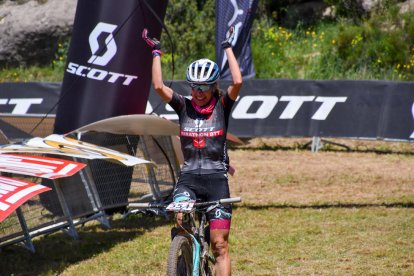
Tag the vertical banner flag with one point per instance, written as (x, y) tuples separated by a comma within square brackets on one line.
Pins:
[(108, 74), (109, 66), (240, 14)]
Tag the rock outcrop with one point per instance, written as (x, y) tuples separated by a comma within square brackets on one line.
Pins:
[(30, 32)]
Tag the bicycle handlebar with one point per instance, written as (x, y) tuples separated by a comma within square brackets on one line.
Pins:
[(220, 201), (139, 205), (230, 200), (159, 205)]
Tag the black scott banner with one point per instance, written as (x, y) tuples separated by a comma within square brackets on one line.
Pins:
[(301, 108), (109, 65), (240, 14), (108, 74), (273, 108)]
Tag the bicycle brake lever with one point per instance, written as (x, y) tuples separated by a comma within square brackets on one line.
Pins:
[(212, 207)]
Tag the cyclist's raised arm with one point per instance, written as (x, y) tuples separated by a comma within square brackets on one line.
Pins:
[(164, 91), (234, 88)]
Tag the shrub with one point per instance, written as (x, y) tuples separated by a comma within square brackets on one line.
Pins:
[(191, 25), (381, 44)]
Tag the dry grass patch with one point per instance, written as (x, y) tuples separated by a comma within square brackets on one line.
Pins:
[(302, 177), (332, 241)]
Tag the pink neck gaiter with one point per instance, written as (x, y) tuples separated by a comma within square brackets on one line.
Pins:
[(207, 109)]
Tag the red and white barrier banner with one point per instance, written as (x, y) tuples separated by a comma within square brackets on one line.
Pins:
[(14, 193), (61, 145), (39, 166)]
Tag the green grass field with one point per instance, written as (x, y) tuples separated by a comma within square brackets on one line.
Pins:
[(268, 240)]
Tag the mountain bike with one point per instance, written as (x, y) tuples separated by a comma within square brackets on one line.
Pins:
[(190, 246)]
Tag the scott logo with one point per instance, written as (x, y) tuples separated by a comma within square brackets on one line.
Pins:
[(267, 104), (199, 123), (21, 106), (262, 106), (237, 25), (101, 59), (109, 43)]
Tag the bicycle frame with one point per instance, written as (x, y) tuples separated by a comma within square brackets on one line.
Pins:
[(198, 236)]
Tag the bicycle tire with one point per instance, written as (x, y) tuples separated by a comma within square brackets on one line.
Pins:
[(180, 257)]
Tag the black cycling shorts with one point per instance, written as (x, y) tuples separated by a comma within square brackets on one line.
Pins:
[(206, 187)]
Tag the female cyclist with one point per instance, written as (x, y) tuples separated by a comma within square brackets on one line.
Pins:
[(203, 123)]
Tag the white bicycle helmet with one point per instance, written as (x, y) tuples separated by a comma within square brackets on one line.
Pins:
[(203, 71)]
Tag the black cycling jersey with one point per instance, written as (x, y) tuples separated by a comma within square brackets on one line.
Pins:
[(203, 137)]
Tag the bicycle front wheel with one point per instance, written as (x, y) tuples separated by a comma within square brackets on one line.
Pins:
[(180, 257)]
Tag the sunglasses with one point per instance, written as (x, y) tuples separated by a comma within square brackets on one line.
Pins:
[(201, 87)]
